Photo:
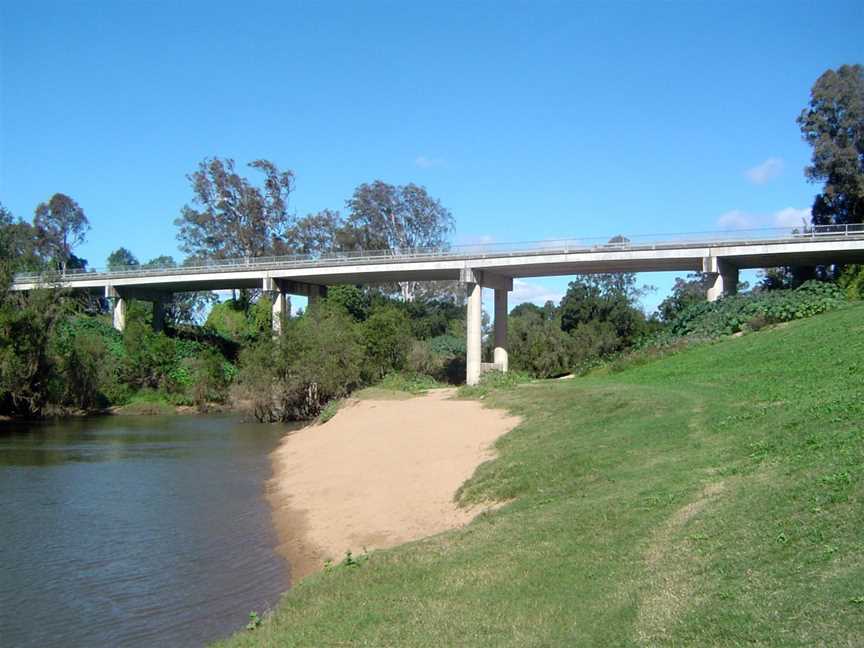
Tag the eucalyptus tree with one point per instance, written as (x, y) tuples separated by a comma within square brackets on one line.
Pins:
[(833, 124), (61, 225), (232, 217), (397, 219)]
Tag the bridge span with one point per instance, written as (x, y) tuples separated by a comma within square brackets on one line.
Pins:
[(494, 266)]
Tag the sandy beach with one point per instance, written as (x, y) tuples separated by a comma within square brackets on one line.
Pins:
[(379, 473)]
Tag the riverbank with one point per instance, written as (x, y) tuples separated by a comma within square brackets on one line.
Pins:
[(712, 497), (378, 474)]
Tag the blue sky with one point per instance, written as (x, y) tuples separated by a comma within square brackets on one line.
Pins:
[(528, 120)]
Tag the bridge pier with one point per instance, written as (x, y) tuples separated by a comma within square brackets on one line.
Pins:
[(118, 307), (723, 277), (499, 355), (159, 314), (475, 281), (281, 309)]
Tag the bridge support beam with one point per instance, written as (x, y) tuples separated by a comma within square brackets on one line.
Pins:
[(118, 307), (475, 281), (119, 319), (280, 311), (723, 277), (499, 355), (474, 328)]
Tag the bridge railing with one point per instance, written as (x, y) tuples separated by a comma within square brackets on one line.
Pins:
[(474, 250)]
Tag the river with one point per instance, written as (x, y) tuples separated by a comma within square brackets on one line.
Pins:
[(134, 531)]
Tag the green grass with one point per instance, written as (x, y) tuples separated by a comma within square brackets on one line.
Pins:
[(399, 386), (709, 498)]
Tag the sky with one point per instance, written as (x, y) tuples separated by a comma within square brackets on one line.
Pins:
[(528, 120)]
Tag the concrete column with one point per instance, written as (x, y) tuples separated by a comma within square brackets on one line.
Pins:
[(474, 331), (119, 313), (158, 315), (500, 353), (723, 276), (281, 310)]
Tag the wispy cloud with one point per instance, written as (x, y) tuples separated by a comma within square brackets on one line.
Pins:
[(524, 291), (425, 162), (787, 217), (736, 219), (481, 239), (766, 171), (792, 217)]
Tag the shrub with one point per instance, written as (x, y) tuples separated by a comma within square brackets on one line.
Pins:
[(731, 314), (317, 358), (539, 347), (423, 360), (387, 338)]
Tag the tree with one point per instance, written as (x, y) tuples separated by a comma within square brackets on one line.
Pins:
[(62, 226), (314, 234), (121, 259), (18, 248), (686, 292), (833, 124), (235, 218), (396, 219)]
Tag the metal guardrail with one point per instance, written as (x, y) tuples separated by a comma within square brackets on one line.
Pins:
[(474, 251)]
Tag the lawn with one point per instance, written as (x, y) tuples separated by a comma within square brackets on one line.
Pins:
[(710, 498)]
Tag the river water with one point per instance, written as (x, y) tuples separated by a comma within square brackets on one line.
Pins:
[(135, 531)]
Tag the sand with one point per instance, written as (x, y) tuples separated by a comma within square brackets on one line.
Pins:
[(379, 473)]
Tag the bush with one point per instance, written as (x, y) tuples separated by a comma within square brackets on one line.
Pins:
[(412, 383), (387, 338), (423, 360), (732, 314), (318, 358), (539, 347)]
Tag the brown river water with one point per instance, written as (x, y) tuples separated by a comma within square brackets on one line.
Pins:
[(135, 531)]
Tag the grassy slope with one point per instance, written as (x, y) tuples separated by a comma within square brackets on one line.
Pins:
[(709, 498)]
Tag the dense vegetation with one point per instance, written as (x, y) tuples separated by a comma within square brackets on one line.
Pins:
[(708, 498)]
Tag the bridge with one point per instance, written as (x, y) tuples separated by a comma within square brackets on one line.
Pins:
[(494, 266)]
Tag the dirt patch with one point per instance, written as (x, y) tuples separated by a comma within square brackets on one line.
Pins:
[(379, 473)]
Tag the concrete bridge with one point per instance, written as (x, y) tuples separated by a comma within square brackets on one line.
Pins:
[(493, 266)]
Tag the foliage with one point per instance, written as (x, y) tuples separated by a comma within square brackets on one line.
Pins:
[(231, 217), (330, 410), (317, 358), (492, 381), (395, 218), (314, 234), (387, 339), (833, 124), (851, 280), (685, 292), (27, 366), (240, 321), (409, 382), (734, 313), (353, 299), (121, 259), (539, 346), (61, 225), (423, 360)]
